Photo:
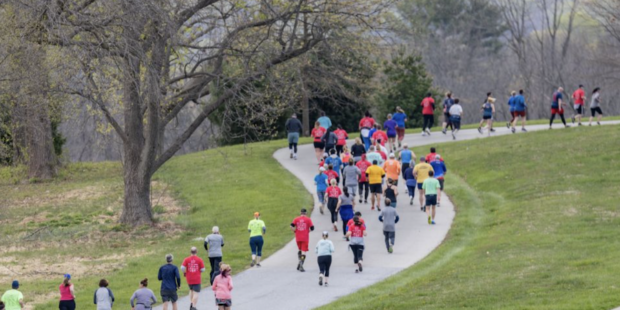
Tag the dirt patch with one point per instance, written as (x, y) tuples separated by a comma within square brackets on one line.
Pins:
[(571, 212)]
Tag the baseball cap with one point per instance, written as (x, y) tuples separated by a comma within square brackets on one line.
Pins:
[(321, 169), (15, 284), (68, 276), (325, 233), (392, 155), (303, 210), (437, 156)]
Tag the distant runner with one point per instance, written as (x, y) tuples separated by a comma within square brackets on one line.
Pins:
[(351, 175), (346, 206), (336, 163), (401, 119), (389, 217), (431, 189), (379, 136), (411, 183), (390, 126), (331, 174), (213, 244), (192, 268), (447, 104), (104, 298), (511, 104), (333, 193), (421, 173), (520, 107), (391, 192), (356, 233), (392, 168), (595, 106), (170, 282), (439, 170), (373, 155), (321, 182), (330, 140), (342, 136), (365, 125), (557, 107), (257, 229), (431, 156), (488, 111), (375, 175), (222, 285), (362, 183), (324, 121), (579, 98), (357, 150), (407, 158), (13, 299), (317, 133), (324, 250), (428, 112), (143, 298), (302, 226), (456, 114), (67, 294), (294, 129)]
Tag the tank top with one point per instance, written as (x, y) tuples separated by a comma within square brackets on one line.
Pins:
[(488, 109), (389, 194), (65, 292)]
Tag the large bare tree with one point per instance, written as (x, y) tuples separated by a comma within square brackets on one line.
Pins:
[(148, 60)]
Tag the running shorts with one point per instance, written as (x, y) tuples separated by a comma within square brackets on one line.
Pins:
[(302, 246), (400, 132), (557, 111), (519, 113), (169, 296), (391, 135), (293, 137), (596, 110), (578, 108), (440, 183), (319, 145), (486, 117), (376, 188), (420, 185), (431, 200), (195, 287), (446, 117), (456, 124), (223, 302)]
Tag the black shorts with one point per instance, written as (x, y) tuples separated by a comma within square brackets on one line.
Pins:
[(167, 295), (446, 116), (579, 108), (431, 200), (486, 117), (376, 188), (319, 145), (596, 110), (223, 302), (195, 287), (440, 183)]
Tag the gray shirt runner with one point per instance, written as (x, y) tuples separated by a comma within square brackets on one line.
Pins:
[(293, 125), (351, 174), (595, 103), (215, 241), (143, 299), (104, 298), (346, 201), (389, 215)]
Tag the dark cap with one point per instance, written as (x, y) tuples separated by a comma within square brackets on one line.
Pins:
[(15, 284), (303, 210)]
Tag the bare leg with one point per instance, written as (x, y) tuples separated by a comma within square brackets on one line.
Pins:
[(166, 305), (174, 306), (421, 197), (489, 126), (434, 209)]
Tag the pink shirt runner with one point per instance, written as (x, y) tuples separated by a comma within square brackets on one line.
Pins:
[(222, 287), (65, 292)]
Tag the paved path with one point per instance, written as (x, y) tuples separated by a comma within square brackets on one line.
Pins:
[(277, 284)]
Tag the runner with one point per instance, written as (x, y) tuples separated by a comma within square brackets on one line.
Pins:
[(520, 106), (380, 137), (346, 206), (579, 98), (428, 112), (456, 114), (389, 217), (421, 173), (351, 175), (104, 298), (595, 106), (359, 215), (301, 227), (431, 189), (192, 268), (392, 168), (67, 294), (406, 157), (317, 133), (375, 177), (324, 120), (222, 285), (345, 156), (366, 124), (322, 162), (372, 132), (13, 299), (362, 183), (390, 192), (356, 233), (557, 107), (390, 126), (431, 156), (294, 129), (401, 119), (439, 170), (213, 244), (332, 193), (342, 136), (447, 104), (330, 140), (380, 149), (321, 181), (357, 150), (324, 249), (257, 230), (170, 282), (411, 183), (336, 163), (511, 104), (331, 174), (373, 155), (143, 298), (488, 111)]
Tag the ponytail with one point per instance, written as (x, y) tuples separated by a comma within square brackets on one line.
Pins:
[(346, 191), (145, 282), (65, 282)]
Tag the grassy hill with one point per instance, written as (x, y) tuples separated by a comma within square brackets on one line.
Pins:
[(70, 225), (536, 228)]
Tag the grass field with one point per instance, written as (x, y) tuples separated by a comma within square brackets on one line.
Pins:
[(536, 228), (70, 225)]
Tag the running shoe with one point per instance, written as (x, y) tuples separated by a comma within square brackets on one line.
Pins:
[(411, 201), (301, 268), (433, 222), (295, 156), (579, 124), (598, 123), (573, 119), (253, 263), (258, 265), (492, 130), (391, 249), (299, 265), (443, 131), (429, 219), (423, 133), (321, 209), (378, 209), (438, 204), (566, 126), (326, 284), (321, 280), (480, 129), (373, 207), (357, 270), (523, 129), (291, 155), (359, 265), (453, 136), (513, 130), (192, 308), (507, 125), (365, 201), (428, 131), (360, 201), (335, 228), (424, 208)]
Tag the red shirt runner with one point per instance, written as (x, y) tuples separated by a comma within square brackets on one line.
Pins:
[(357, 231), (578, 96), (331, 174), (318, 133), (362, 165), (342, 136), (427, 106), (431, 157), (193, 265), (367, 122), (334, 192), (380, 135), (302, 228)]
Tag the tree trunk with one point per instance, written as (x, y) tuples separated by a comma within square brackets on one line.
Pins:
[(306, 113), (40, 145), (137, 207)]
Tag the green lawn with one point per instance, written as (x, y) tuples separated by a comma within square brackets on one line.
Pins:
[(536, 228), (69, 225)]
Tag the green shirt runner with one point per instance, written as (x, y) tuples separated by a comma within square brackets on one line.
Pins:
[(430, 186), (11, 300), (256, 227)]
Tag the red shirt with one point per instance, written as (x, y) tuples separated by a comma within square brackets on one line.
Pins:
[(367, 122), (318, 133), (351, 222), (193, 265), (362, 165), (427, 106), (578, 96), (380, 134), (431, 157), (322, 163), (342, 136), (357, 231), (334, 192), (383, 155), (331, 174), (302, 228)]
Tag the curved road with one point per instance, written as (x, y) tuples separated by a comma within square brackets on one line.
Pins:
[(278, 285)]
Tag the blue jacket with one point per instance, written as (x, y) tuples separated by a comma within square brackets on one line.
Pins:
[(169, 275), (519, 103), (511, 103), (336, 162), (440, 168)]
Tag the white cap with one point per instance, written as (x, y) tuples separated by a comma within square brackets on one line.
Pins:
[(405, 145), (392, 155), (437, 156), (321, 169)]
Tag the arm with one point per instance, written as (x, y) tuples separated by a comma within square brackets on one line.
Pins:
[(293, 227), (72, 291), (206, 245), (397, 218), (95, 297), (264, 229), (338, 205), (381, 217), (153, 298), (111, 296), (160, 276), (222, 240), (133, 297), (178, 278)]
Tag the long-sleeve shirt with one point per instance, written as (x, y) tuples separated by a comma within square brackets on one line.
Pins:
[(104, 298), (324, 247), (170, 277), (389, 217), (143, 297), (293, 125), (222, 287), (214, 244)]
